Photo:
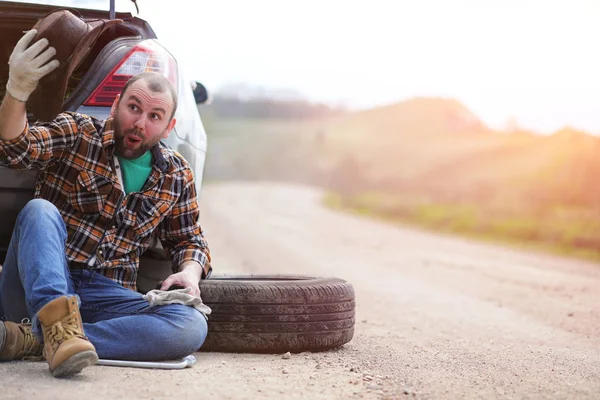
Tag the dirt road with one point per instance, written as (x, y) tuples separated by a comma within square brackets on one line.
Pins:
[(437, 317)]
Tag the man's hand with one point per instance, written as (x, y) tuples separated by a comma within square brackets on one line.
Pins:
[(29, 64), (188, 277)]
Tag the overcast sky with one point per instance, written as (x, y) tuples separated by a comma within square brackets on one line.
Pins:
[(535, 60)]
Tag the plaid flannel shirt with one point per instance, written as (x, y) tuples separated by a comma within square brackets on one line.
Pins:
[(74, 157)]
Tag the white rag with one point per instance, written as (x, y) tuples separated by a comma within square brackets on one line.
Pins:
[(177, 296)]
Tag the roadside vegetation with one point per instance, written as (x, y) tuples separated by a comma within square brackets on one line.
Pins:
[(426, 162)]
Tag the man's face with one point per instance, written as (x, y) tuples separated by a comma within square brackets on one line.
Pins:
[(141, 119)]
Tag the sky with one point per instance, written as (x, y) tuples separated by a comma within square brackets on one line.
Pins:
[(536, 62)]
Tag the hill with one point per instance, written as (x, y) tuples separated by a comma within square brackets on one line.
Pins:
[(427, 161)]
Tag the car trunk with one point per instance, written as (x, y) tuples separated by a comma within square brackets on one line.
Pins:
[(15, 18), (16, 188)]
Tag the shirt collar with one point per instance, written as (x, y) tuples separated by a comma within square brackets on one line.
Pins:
[(158, 157), (107, 132)]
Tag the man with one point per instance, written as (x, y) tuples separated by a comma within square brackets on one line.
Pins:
[(103, 188)]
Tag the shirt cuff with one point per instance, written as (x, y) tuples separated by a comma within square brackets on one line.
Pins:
[(193, 254)]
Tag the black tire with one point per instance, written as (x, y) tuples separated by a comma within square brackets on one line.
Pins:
[(277, 313)]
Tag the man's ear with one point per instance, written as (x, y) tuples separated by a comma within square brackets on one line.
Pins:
[(114, 105), (169, 128)]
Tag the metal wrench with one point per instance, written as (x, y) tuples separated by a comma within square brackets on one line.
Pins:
[(185, 362)]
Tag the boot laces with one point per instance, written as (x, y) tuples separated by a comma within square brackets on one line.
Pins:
[(32, 348), (65, 329)]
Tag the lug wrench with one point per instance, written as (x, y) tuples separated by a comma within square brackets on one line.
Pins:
[(185, 362)]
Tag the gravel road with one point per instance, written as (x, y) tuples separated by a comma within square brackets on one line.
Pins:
[(437, 317)]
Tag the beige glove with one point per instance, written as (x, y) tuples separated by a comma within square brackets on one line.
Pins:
[(29, 64)]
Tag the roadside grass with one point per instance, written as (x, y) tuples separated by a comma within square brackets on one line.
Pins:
[(575, 236), (265, 149), (435, 177)]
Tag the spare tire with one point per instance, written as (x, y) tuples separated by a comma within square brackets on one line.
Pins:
[(277, 313)]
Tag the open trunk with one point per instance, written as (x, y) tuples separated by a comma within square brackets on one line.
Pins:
[(16, 188), (15, 18)]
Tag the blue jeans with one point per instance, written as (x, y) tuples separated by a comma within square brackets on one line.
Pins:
[(117, 320)]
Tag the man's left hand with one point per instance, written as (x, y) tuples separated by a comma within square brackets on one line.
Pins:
[(188, 277)]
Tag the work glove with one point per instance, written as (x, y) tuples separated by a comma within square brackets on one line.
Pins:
[(29, 64), (177, 296)]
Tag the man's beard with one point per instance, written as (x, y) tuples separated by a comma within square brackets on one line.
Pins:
[(130, 151)]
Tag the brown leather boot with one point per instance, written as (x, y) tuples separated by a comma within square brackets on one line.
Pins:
[(17, 342), (66, 347)]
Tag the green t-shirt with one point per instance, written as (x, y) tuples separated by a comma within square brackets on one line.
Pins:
[(136, 172)]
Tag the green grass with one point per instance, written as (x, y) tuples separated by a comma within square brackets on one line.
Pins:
[(475, 185), (577, 237)]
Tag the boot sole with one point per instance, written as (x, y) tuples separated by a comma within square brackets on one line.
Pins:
[(75, 364)]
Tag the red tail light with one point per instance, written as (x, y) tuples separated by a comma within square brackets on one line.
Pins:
[(146, 56)]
